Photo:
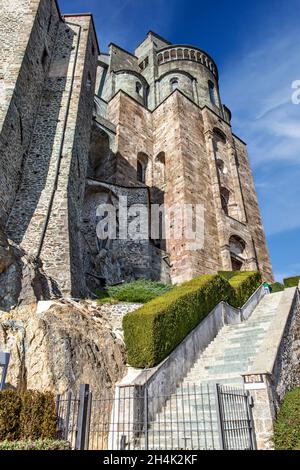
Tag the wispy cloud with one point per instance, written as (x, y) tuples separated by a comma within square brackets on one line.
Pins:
[(258, 88)]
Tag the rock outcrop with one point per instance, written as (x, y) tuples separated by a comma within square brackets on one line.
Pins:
[(22, 280), (60, 345)]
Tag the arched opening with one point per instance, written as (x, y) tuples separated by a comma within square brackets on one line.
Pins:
[(237, 247), (174, 82), (212, 96), (102, 161), (142, 164), (139, 88), (225, 196)]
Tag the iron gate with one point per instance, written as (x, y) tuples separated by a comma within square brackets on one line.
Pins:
[(196, 417)]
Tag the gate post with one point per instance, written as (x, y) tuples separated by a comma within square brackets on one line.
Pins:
[(82, 416), (218, 399)]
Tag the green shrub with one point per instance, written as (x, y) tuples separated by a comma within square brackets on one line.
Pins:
[(287, 427), (154, 330), (244, 285), (45, 444), (277, 287), (10, 409), (228, 274), (38, 416), (140, 291), (30, 415), (291, 281)]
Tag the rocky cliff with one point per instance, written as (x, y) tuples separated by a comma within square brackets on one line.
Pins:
[(60, 345), (54, 344)]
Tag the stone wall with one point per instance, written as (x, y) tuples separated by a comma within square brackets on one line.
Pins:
[(27, 34), (46, 216)]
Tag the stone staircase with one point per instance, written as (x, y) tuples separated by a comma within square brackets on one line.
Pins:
[(191, 410)]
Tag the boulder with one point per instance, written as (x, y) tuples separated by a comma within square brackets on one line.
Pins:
[(60, 345)]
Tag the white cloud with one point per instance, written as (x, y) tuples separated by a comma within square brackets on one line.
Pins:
[(258, 88)]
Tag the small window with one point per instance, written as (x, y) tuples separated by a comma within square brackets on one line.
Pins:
[(142, 164), (140, 172), (174, 83), (45, 57), (89, 82), (212, 96), (138, 88)]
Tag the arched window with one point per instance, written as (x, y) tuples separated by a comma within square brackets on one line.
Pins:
[(211, 88), (225, 195), (174, 82), (139, 88), (140, 172), (237, 247), (142, 164)]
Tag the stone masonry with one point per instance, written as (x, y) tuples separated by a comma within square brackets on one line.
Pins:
[(79, 128)]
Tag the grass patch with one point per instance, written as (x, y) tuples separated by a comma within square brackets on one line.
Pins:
[(140, 291), (287, 427)]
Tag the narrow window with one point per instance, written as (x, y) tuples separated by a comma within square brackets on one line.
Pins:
[(140, 172), (89, 82), (225, 194), (138, 88), (142, 164), (174, 83), (45, 58), (212, 96)]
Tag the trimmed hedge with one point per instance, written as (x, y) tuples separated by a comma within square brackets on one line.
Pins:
[(277, 287), (154, 330), (287, 427), (38, 416), (45, 444), (227, 274), (30, 415), (291, 281), (10, 409), (140, 291), (244, 285)]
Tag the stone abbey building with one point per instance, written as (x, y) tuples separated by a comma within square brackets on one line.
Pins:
[(79, 128)]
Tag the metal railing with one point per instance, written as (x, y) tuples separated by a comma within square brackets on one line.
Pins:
[(196, 417)]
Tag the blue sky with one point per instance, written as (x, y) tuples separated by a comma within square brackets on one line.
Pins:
[(257, 48)]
